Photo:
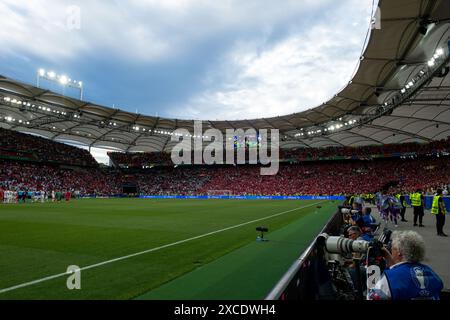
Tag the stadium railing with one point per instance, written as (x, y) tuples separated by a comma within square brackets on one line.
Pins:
[(295, 284)]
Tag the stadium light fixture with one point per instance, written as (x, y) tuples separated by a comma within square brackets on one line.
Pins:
[(63, 80)]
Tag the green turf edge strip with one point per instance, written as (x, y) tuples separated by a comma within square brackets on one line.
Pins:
[(249, 272)]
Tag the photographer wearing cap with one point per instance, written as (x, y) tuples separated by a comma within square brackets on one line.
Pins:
[(407, 278)]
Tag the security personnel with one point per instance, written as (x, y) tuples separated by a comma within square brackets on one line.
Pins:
[(351, 200), (402, 199), (417, 203), (438, 209)]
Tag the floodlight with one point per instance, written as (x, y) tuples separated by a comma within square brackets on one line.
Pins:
[(63, 80), (51, 75), (439, 52), (41, 72)]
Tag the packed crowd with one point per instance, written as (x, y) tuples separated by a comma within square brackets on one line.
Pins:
[(25, 176), (19, 145), (46, 169), (367, 152), (324, 178), (139, 160), (333, 178)]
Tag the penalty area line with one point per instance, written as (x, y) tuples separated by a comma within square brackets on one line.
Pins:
[(55, 276)]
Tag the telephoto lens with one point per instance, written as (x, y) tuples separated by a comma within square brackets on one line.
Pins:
[(343, 245)]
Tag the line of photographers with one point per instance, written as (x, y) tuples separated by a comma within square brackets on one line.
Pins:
[(388, 267)]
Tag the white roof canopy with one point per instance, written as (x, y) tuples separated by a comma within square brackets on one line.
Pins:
[(394, 56)]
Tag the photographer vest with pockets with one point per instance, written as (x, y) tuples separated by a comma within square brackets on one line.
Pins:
[(413, 281)]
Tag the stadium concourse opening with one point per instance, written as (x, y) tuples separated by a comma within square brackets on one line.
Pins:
[(361, 189)]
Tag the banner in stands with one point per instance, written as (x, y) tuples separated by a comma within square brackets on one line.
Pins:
[(342, 198)]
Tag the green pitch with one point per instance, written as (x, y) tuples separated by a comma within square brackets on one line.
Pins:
[(187, 249)]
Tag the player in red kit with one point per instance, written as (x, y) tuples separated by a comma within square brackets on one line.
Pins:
[(68, 195)]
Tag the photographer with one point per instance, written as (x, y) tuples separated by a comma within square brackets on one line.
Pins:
[(369, 220), (407, 278)]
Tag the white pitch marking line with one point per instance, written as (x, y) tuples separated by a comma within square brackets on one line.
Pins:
[(26, 284)]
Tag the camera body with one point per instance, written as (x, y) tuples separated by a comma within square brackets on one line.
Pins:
[(344, 246), (347, 261)]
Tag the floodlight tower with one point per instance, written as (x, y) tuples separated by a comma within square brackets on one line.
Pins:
[(63, 80)]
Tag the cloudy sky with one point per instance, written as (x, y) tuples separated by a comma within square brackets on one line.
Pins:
[(201, 59)]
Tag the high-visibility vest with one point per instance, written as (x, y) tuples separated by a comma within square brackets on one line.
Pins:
[(416, 200), (435, 206), (352, 199)]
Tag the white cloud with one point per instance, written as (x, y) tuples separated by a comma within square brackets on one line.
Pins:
[(299, 72), (142, 30), (256, 77)]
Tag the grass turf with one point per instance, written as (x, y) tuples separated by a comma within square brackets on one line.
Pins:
[(39, 240)]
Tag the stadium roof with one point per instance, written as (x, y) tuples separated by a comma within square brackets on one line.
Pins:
[(400, 93)]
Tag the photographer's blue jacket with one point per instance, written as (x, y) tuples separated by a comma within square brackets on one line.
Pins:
[(410, 281)]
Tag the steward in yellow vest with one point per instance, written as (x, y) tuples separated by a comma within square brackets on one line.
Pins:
[(402, 199), (417, 204), (438, 209)]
